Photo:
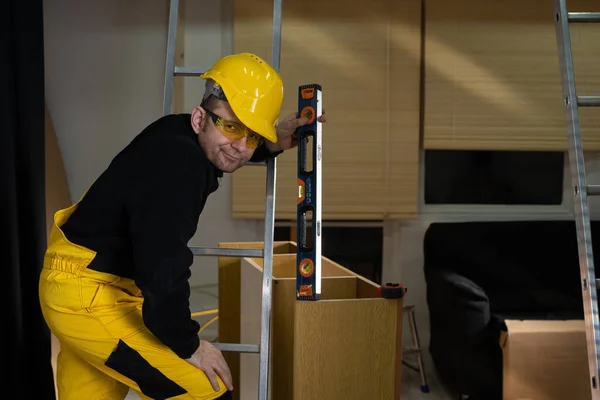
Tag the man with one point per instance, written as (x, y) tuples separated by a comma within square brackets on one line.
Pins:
[(114, 288)]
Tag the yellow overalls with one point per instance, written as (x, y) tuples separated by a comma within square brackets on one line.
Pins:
[(105, 347)]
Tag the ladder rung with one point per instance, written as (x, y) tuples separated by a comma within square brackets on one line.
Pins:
[(584, 17), (188, 71), (263, 163), (588, 101), (411, 350), (593, 190), (237, 348), (225, 252)]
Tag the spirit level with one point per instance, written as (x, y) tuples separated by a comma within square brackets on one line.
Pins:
[(308, 260)]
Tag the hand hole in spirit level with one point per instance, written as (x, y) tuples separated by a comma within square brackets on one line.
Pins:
[(306, 144), (305, 230)]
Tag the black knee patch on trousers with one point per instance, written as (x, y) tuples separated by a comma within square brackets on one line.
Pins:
[(226, 396), (151, 381)]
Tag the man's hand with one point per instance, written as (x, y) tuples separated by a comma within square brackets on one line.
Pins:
[(287, 138), (210, 360)]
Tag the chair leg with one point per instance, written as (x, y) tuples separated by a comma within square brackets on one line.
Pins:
[(417, 347)]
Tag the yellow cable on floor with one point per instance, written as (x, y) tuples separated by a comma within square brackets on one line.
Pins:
[(207, 312), (203, 327)]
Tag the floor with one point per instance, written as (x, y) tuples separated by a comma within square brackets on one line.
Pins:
[(205, 298), (411, 383)]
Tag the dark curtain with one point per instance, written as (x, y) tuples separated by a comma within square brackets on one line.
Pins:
[(25, 336)]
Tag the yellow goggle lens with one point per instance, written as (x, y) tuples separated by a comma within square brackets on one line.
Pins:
[(234, 131)]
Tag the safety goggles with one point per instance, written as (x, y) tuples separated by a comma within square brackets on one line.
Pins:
[(236, 131)]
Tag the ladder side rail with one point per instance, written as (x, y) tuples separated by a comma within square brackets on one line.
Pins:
[(578, 179), (170, 58), (267, 281), (171, 70), (267, 286)]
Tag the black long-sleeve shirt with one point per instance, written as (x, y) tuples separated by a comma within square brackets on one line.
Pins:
[(139, 216)]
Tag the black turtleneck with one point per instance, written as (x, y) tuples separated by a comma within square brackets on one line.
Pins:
[(139, 216)]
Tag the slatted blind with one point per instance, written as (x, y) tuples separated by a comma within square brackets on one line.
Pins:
[(366, 55), (492, 75)]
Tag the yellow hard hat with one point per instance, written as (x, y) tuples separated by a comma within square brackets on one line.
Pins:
[(253, 89)]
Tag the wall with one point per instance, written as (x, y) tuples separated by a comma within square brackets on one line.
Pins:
[(105, 63), (104, 82)]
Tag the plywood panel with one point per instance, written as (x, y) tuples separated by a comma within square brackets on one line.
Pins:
[(284, 266), (281, 379), (250, 321), (351, 313), (230, 299), (284, 300), (323, 334)]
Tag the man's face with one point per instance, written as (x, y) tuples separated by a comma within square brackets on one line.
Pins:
[(225, 154)]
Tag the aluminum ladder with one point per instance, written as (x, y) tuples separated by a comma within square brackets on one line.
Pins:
[(172, 71), (581, 189)]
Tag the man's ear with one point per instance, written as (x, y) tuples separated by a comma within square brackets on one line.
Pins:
[(198, 119)]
